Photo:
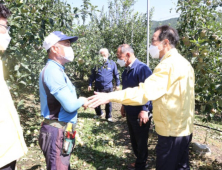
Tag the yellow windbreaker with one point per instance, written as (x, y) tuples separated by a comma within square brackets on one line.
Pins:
[(171, 88), (12, 144)]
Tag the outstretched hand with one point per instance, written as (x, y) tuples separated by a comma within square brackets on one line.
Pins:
[(97, 99)]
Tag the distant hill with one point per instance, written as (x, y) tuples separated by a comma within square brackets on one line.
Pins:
[(172, 22)]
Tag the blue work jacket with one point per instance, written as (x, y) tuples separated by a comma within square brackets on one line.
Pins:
[(104, 76), (131, 77)]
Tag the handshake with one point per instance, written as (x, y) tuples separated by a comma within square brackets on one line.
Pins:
[(95, 100)]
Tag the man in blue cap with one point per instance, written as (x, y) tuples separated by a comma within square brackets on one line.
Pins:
[(59, 103)]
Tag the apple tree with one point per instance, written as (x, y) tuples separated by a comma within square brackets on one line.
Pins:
[(120, 24), (199, 27), (30, 22)]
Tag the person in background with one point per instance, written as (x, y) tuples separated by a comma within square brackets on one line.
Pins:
[(135, 72), (171, 90), (12, 143), (59, 103), (103, 82)]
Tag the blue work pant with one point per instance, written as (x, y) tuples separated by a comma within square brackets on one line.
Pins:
[(139, 139), (173, 153), (50, 142)]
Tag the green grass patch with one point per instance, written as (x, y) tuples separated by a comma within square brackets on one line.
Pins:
[(98, 145)]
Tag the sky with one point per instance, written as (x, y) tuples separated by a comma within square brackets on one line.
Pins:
[(161, 7)]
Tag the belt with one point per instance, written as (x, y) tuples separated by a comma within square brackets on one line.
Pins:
[(55, 123), (58, 124)]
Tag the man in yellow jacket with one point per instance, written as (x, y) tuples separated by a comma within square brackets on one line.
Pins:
[(12, 144), (171, 88)]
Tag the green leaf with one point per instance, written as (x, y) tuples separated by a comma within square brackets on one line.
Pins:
[(17, 67), (22, 82)]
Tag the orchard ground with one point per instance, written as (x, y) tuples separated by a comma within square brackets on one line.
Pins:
[(106, 146)]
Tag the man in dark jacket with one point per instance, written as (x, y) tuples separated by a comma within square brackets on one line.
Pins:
[(135, 72), (103, 81)]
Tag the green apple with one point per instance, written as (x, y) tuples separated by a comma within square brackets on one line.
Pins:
[(185, 38), (195, 54), (187, 43), (203, 33), (208, 3), (204, 52), (32, 145), (213, 110), (110, 143), (36, 131), (28, 132), (218, 45), (215, 37), (200, 60), (80, 61)]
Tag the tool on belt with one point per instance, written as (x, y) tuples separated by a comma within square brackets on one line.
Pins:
[(69, 139)]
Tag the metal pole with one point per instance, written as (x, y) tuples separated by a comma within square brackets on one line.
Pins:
[(148, 31)]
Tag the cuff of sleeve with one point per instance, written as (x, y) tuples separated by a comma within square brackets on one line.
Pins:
[(144, 108), (81, 101), (113, 96)]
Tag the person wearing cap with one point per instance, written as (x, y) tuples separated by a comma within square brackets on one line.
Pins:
[(12, 143), (59, 103), (171, 90), (103, 81)]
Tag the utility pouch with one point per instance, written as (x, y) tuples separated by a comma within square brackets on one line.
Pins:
[(69, 139)]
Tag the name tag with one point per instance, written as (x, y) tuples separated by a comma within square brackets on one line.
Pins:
[(109, 68)]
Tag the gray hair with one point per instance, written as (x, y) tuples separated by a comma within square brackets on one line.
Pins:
[(126, 48), (104, 50)]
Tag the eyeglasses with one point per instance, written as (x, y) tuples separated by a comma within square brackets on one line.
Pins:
[(6, 27)]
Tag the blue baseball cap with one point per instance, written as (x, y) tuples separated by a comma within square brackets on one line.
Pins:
[(55, 37)]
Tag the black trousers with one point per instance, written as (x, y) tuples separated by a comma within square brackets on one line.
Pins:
[(173, 153), (108, 107), (139, 139), (10, 166)]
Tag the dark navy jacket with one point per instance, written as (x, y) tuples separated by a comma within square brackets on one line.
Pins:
[(137, 73), (103, 78)]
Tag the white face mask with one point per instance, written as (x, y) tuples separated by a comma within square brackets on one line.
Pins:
[(154, 51), (121, 63), (105, 59), (69, 54), (5, 40)]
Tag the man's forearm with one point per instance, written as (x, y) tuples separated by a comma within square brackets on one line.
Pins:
[(130, 96), (68, 101)]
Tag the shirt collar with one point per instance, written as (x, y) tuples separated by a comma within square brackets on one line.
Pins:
[(107, 61), (53, 61), (130, 65), (169, 53)]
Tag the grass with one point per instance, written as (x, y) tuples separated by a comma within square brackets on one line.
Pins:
[(214, 123), (98, 144)]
